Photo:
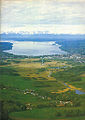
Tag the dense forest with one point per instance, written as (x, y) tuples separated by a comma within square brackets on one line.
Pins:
[(73, 46), (5, 46)]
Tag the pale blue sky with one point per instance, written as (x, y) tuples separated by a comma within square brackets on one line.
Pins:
[(55, 16)]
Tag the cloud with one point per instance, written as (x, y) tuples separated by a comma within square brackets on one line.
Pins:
[(44, 12)]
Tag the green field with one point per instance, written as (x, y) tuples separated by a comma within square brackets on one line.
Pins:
[(30, 90)]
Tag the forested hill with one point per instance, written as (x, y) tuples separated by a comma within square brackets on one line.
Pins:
[(73, 46), (5, 46)]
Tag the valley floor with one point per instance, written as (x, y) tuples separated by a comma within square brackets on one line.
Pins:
[(32, 89)]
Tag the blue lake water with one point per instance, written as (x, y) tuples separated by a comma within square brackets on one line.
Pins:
[(79, 92), (30, 48)]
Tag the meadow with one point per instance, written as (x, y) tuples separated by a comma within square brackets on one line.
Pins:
[(32, 89)]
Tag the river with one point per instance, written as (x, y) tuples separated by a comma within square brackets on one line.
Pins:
[(76, 91)]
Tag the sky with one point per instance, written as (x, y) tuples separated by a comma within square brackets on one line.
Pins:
[(45, 16)]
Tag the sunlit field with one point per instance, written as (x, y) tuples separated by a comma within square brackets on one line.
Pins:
[(44, 89)]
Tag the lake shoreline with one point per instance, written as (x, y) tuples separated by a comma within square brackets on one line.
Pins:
[(30, 48)]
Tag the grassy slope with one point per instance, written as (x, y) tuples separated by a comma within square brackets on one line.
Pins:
[(44, 114), (11, 80)]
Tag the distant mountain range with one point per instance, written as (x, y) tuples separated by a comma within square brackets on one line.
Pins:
[(41, 37)]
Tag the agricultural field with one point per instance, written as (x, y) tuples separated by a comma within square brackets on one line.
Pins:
[(42, 89)]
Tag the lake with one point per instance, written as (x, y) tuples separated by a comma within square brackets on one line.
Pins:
[(30, 48)]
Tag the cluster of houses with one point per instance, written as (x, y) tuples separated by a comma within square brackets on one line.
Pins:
[(28, 106), (77, 57), (63, 103), (58, 104), (32, 92)]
